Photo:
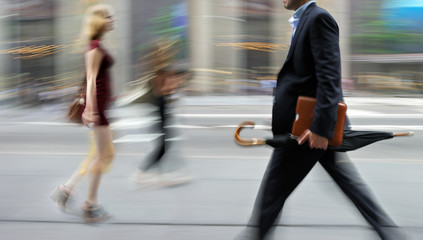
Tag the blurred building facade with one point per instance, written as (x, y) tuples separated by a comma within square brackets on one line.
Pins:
[(232, 46), (246, 41), (387, 51)]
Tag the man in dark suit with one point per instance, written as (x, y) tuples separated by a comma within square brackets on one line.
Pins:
[(312, 68)]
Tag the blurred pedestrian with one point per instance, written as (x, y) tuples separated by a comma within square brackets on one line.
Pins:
[(165, 83), (99, 20), (312, 68)]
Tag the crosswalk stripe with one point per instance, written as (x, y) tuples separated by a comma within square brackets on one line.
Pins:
[(137, 138), (263, 157), (351, 114), (143, 124)]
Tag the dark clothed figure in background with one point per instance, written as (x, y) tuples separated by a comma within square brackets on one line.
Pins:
[(166, 81)]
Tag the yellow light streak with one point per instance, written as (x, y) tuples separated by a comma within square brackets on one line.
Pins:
[(33, 51), (257, 46)]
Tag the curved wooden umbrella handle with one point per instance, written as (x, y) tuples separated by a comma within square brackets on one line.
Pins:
[(247, 141)]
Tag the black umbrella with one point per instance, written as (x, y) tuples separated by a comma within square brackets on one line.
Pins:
[(351, 140)]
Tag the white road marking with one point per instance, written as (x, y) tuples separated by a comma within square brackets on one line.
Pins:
[(141, 124), (230, 115), (351, 114), (40, 123), (131, 138), (133, 123), (264, 157), (188, 126), (355, 127), (387, 127)]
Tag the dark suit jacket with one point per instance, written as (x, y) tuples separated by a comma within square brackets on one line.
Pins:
[(312, 68)]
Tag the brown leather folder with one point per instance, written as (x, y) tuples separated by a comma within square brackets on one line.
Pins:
[(305, 114)]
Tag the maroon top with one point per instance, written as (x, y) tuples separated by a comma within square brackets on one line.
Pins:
[(103, 88)]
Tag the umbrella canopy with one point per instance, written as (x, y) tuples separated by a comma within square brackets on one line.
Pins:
[(352, 139), (357, 139)]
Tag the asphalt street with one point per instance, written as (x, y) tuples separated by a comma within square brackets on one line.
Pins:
[(39, 150)]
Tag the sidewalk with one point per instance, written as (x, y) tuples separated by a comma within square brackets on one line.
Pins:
[(216, 205)]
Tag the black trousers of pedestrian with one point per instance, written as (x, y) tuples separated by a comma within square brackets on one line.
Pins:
[(288, 167), (155, 156)]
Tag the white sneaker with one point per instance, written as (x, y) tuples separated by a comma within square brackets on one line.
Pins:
[(175, 178), (142, 177)]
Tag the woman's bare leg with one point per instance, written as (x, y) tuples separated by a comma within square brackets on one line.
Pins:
[(103, 140), (62, 192), (83, 167), (73, 180)]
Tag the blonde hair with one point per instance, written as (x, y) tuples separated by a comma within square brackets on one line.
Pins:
[(95, 22)]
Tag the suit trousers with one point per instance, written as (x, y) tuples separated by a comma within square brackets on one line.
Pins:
[(289, 166)]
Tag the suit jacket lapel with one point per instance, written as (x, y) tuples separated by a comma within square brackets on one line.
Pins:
[(298, 31)]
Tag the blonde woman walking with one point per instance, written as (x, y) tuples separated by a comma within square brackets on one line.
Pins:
[(99, 20)]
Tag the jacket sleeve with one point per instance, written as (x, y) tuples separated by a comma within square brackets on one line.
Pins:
[(324, 42)]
